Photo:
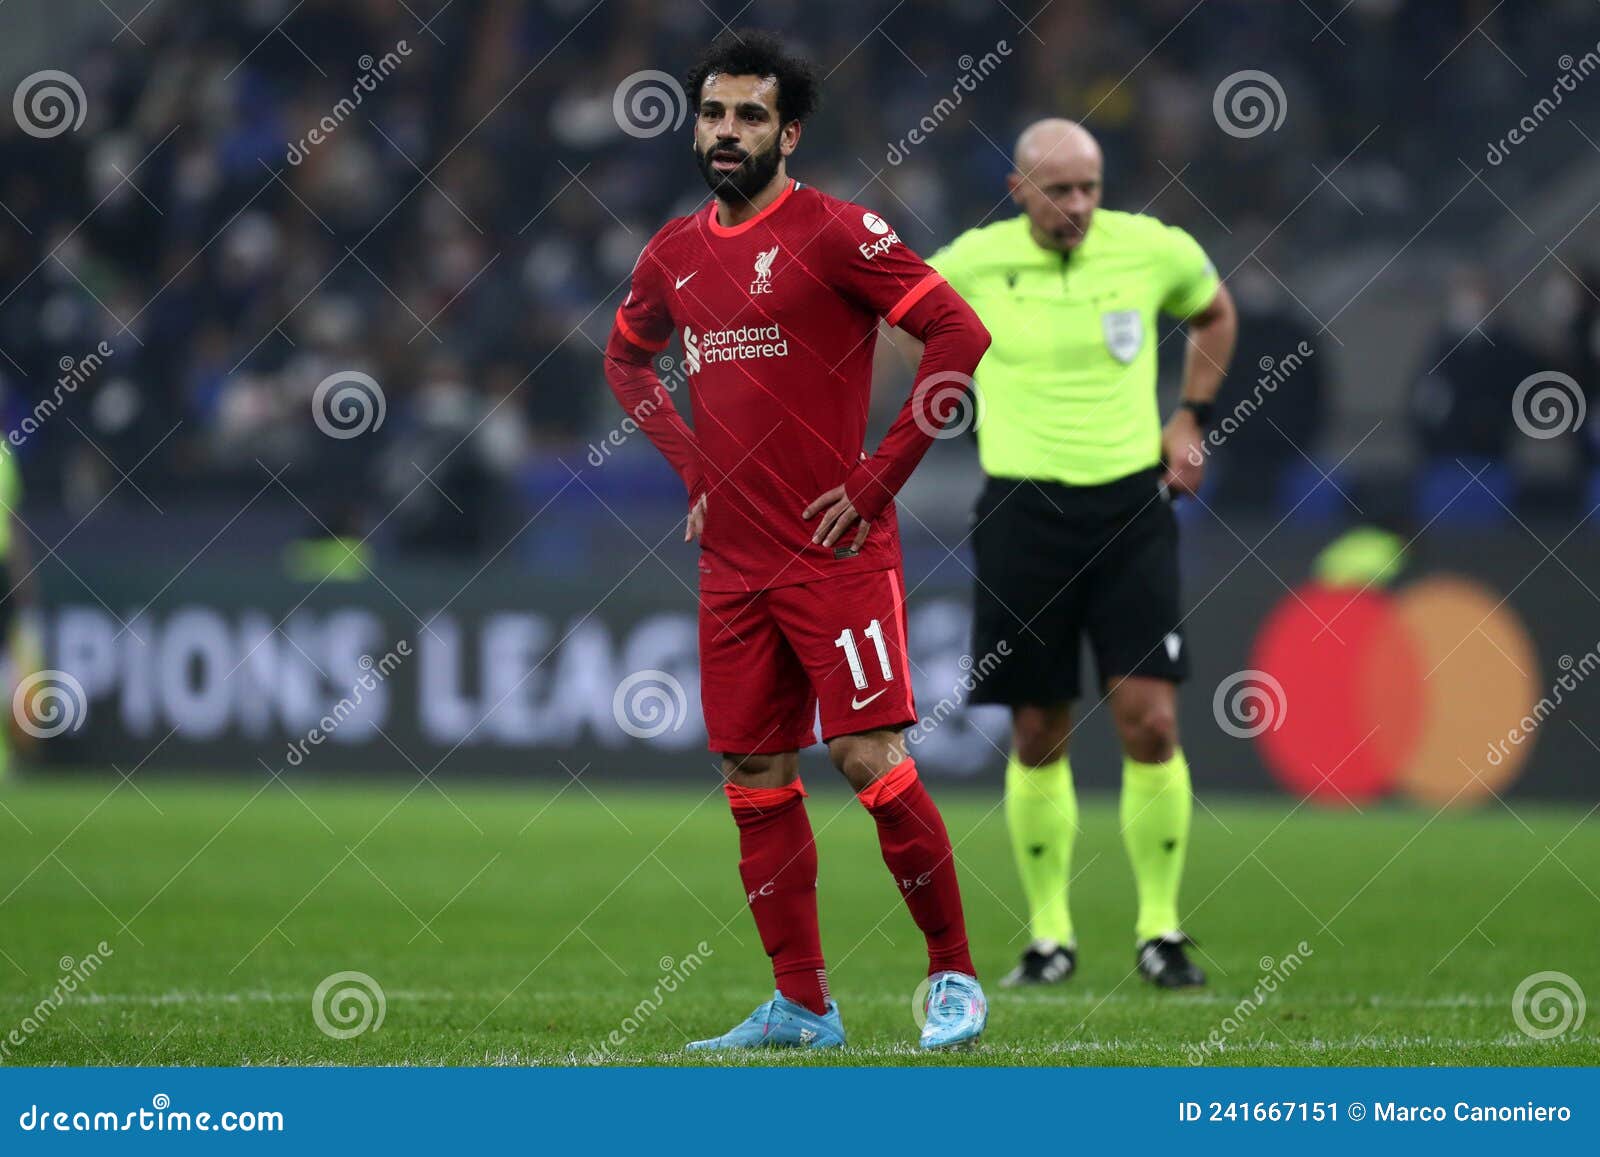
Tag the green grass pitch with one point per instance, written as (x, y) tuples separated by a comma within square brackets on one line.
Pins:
[(526, 926)]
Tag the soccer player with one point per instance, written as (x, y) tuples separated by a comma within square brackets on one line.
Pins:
[(1074, 532), (777, 290)]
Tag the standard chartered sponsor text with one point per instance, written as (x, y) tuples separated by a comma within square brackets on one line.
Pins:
[(729, 345)]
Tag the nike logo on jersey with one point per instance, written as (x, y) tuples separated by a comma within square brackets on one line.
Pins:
[(682, 281), (858, 704)]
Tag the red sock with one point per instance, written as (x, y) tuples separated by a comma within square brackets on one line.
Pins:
[(916, 848), (778, 863)]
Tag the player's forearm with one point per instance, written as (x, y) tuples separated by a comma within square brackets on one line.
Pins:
[(639, 391), (1212, 334), (954, 341)]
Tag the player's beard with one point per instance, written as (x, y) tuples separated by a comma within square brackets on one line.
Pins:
[(739, 186)]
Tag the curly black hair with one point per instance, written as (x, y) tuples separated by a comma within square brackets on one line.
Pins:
[(747, 52)]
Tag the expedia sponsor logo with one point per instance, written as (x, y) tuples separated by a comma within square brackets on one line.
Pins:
[(747, 343), (871, 249)]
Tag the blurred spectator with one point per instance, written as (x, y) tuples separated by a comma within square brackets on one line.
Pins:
[(1461, 400), (1276, 385)]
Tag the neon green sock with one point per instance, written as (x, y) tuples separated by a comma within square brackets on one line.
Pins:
[(1042, 815), (1156, 808)]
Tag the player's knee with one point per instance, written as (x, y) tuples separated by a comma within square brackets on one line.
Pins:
[(768, 770), (864, 758), (1039, 736), (1150, 735)]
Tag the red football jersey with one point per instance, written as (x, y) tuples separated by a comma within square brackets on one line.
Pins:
[(779, 319)]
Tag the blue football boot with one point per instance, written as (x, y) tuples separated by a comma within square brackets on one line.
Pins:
[(781, 1023), (956, 1011)]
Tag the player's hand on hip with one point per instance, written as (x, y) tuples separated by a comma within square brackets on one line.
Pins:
[(1183, 451), (838, 515), (696, 524)]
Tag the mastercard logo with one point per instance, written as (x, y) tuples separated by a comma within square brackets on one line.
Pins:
[(1354, 694)]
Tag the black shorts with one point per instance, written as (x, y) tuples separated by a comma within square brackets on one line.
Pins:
[(1056, 562)]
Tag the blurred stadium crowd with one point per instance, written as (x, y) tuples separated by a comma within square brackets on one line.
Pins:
[(463, 235)]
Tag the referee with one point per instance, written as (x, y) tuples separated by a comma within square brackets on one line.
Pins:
[(1074, 533)]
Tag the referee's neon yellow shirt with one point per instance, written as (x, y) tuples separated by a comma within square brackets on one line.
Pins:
[(1068, 386), (10, 498)]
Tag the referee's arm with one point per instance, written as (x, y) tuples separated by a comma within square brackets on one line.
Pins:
[(1211, 334)]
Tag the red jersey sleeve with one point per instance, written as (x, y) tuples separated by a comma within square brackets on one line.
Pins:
[(879, 272), (874, 268), (643, 326), (643, 318)]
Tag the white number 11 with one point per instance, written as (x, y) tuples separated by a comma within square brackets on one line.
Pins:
[(847, 640)]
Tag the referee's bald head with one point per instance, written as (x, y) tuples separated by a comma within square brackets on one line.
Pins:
[(1056, 181)]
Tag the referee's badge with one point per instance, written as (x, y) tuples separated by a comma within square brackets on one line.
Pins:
[(1124, 330)]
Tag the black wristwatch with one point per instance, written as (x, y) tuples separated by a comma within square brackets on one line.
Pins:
[(1202, 411)]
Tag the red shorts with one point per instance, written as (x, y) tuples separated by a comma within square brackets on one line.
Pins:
[(769, 658)]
